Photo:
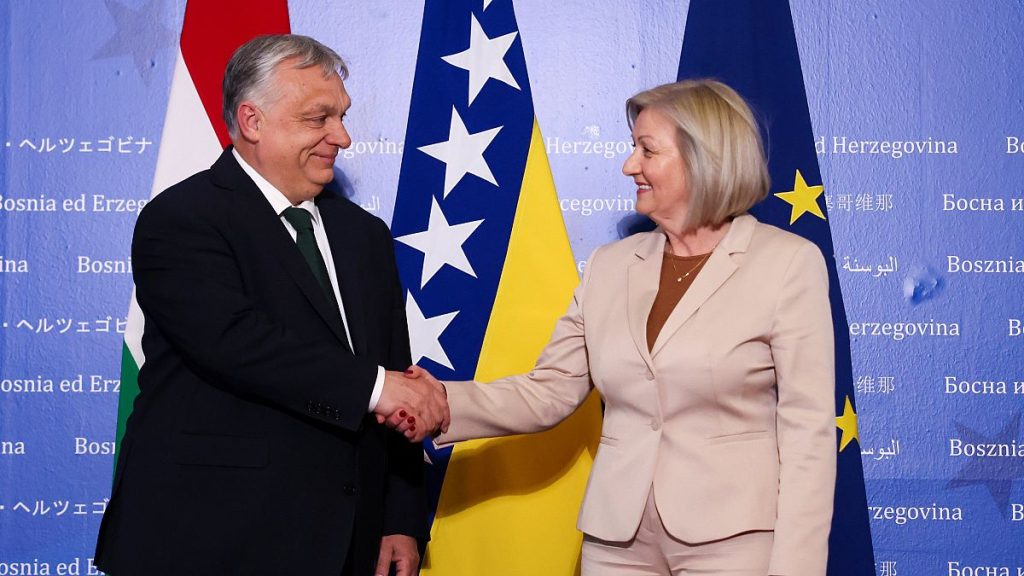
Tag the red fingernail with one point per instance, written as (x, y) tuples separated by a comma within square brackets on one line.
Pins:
[(408, 372), (411, 420), (402, 413), (412, 428)]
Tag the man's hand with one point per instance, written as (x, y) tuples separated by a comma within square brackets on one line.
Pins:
[(402, 424), (413, 404), (402, 552)]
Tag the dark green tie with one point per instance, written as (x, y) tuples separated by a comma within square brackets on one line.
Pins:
[(302, 221)]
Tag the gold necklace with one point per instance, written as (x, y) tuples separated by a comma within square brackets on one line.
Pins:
[(700, 262)]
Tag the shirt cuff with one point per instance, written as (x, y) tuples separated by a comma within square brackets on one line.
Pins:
[(378, 388)]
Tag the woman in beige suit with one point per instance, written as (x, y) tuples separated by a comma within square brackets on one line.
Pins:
[(710, 341)]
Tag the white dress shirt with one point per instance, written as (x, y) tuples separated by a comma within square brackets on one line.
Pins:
[(279, 202)]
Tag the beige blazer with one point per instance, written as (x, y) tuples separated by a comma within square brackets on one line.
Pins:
[(730, 417)]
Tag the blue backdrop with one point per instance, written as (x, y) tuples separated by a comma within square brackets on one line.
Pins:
[(918, 117)]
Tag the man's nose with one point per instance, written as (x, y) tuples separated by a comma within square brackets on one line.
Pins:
[(337, 134)]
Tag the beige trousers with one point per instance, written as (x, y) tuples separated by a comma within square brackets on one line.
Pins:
[(654, 552)]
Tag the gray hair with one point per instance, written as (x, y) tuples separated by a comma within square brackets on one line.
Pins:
[(249, 75), (719, 140)]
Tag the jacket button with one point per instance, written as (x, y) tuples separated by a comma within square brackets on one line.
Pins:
[(348, 488), (655, 424), (650, 375)]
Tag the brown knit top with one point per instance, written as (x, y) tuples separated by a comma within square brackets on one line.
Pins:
[(674, 283)]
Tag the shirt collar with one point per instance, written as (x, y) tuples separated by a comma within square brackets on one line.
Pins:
[(277, 199)]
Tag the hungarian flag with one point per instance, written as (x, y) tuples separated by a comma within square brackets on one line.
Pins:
[(194, 133), (483, 253), (751, 46)]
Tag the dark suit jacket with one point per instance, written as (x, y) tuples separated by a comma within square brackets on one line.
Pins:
[(250, 450)]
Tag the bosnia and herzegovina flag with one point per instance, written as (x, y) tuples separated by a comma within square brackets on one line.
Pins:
[(194, 132), (484, 256), (751, 45)]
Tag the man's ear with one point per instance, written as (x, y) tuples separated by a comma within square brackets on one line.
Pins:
[(250, 121)]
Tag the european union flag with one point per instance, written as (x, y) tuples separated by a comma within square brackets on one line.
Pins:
[(751, 45), (484, 256)]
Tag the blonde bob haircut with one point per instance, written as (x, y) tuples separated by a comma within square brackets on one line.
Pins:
[(719, 140)]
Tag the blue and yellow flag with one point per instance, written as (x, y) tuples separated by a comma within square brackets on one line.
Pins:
[(751, 46), (485, 260)]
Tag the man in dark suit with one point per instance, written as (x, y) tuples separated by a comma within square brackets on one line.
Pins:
[(274, 330)]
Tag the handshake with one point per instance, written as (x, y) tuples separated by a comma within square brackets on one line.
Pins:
[(414, 403)]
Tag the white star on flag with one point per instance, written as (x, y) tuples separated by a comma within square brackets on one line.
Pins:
[(441, 243), (462, 153), (424, 333), (484, 59), (486, 4)]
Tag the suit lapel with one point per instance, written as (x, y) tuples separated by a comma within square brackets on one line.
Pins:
[(642, 287), (270, 236), (719, 267), (345, 243)]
